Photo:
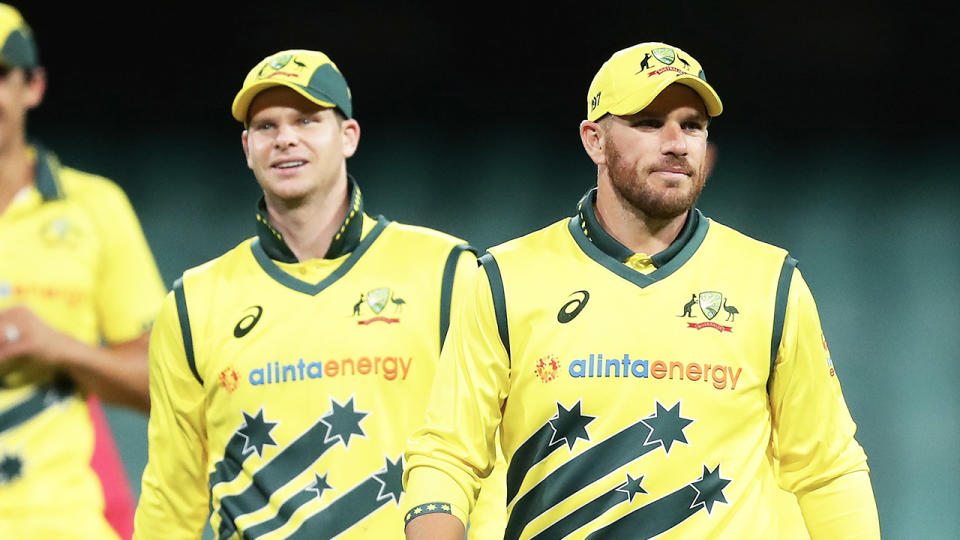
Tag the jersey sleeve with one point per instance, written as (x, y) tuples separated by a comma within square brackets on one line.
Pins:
[(174, 500), (129, 288), (813, 434), (457, 446)]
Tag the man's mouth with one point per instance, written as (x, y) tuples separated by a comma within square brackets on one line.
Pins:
[(289, 164)]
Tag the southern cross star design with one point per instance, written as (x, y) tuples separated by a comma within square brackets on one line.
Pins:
[(632, 486), (11, 468), (391, 480), (667, 426), (344, 422), (571, 424), (710, 488), (319, 485), (256, 433)]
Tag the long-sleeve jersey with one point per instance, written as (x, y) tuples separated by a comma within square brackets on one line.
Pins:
[(283, 392), (639, 396)]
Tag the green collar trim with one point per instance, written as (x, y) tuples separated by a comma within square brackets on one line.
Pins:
[(47, 174), (345, 240), (606, 250), (266, 262)]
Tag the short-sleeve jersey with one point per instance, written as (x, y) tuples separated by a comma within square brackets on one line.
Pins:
[(73, 252), (284, 392), (634, 400)]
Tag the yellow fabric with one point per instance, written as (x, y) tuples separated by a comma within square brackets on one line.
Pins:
[(81, 263), (302, 420), (630, 418)]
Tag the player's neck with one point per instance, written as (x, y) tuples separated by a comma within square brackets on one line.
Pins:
[(16, 170), (638, 232), (309, 224)]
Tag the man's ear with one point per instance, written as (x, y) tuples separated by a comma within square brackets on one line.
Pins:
[(350, 132), (593, 137), (36, 87), (246, 147)]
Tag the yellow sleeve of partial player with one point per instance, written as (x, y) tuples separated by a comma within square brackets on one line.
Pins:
[(129, 288), (174, 500), (489, 516), (813, 434), (457, 445)]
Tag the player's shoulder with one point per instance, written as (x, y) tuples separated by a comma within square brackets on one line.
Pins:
[(534, 243), (220, 269), (735, 241), (418, 237), (86, 187)]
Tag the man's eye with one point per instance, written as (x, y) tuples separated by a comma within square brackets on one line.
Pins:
[(647, 123), (263, 126), (306, 121)]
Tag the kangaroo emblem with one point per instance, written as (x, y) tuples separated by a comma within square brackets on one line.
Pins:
[(356, 307), (684, 62), (688, 307), (301, 65), (645, 63)]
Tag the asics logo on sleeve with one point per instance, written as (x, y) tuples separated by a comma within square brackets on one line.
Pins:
[(247, 323), (573, 308)]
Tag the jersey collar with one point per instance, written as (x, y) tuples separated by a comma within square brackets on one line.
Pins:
[(345, 241), (47, 174), (605, 249)]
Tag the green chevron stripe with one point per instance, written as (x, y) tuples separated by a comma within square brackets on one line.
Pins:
[(581, 471), (652, 519)]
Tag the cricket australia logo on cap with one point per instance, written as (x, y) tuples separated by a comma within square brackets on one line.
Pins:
[(277, 63), (280, 60), (710, 303), (664, 55), (374, 306)]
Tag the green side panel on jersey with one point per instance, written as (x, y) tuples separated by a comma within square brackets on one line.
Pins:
[(312, 289), (185, 327), (446, 286), (780, 307), (499, 300), (629, 274)]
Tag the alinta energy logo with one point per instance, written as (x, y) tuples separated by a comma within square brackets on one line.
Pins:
[(623, 366), (378, 305), (710, 304)]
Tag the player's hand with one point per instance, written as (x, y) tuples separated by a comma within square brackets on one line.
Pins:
[(24, 337)]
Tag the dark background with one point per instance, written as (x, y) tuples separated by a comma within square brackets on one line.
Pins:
[(838, 142)]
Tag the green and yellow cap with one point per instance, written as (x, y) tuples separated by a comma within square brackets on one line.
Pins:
[(310, 73), (17, 49), (632, 78)]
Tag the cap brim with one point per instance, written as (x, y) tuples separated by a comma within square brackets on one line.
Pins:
[(243, 99), (710, 98)]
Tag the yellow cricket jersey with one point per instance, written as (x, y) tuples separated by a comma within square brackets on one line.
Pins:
[(283, 392), (73, 252), (633, 394)]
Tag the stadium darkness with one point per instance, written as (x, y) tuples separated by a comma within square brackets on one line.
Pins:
[(783, 71)]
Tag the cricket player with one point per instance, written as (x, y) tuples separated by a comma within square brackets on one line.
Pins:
[(78, 292), (651, 372), (287, 375)]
